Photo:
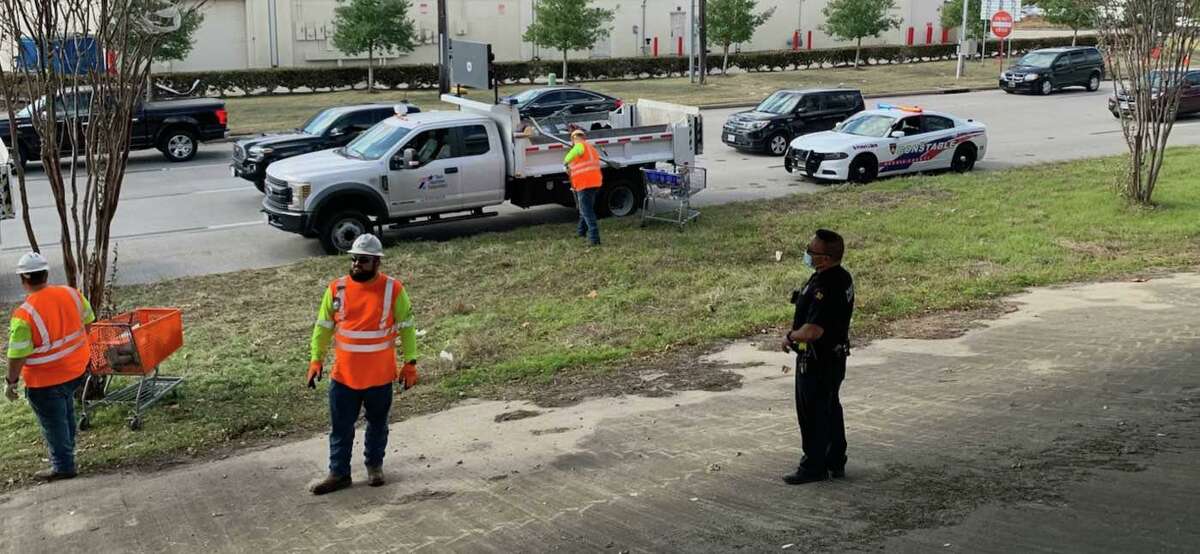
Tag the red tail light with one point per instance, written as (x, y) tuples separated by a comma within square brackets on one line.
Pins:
[(222, 116), (619, 103)]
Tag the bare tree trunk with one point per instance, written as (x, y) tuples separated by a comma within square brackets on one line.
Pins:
[(564, 66), (725, 62), (1074, 36), (371, 69), (857, 50)]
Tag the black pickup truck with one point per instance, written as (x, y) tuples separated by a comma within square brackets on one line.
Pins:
[(175, 127)]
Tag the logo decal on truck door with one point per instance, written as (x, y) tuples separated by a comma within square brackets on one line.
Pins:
[(431, 182)]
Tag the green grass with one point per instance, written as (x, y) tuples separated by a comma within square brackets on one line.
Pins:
[(258, 114), (517, 309)]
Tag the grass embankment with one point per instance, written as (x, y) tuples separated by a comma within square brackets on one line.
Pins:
[(267, 113), (521, 310)]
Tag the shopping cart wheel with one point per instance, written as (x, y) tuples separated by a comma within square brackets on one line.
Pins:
[(135, 423), (85, 423)]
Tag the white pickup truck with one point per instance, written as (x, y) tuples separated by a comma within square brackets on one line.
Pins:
[(430, 167)]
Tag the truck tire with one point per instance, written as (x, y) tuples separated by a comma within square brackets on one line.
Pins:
[(620, 199), (178, 144), (777, 143), (337, 233)]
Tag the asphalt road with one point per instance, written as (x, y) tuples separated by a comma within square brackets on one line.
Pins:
[(194, 218)]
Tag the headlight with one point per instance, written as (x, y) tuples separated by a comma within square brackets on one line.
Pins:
[(260, 151), (300, 192), (756, 125), (836, 156), (1031, 77)]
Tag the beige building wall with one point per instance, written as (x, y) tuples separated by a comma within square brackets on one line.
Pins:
[(240, 34)]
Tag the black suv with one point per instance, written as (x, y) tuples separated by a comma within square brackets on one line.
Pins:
[(1044, 71), (787, 114), (546, 101), (329, 128)]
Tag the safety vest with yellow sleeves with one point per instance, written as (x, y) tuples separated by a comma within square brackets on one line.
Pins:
[(49, 332), (583, 164), (363, 321)]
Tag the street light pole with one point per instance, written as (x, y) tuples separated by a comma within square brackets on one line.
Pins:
[(443, 38), (703, 41), (962, 42)]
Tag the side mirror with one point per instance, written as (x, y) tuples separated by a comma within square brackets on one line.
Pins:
[(409, 158), (337, 131), (898, 134)]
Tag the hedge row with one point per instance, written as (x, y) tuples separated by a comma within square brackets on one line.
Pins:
[(277, 81)]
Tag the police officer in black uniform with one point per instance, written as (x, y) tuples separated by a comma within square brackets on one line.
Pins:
[(820, 337)]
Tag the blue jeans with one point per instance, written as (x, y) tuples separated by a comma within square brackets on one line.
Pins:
[(586, 201), (345, 404), (55, 410)]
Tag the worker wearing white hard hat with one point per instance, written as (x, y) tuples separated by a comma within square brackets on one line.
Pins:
[(362, 314), (48, 346)]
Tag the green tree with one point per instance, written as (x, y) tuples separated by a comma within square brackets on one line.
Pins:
[(951, 17), (371, 26), (1076, 14), (732, 21), (857, 19), (568, 25), (176, 45)]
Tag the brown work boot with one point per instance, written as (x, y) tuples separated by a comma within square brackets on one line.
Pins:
[(332, 483), (52, 475), (375, 476)]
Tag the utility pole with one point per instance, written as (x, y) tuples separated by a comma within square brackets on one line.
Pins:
[(703, 41), (443, 44), (691, 33), (962, 42)]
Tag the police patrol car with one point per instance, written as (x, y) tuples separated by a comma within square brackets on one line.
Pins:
[(889, 140)]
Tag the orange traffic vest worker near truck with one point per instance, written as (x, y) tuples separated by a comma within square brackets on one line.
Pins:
[(583, 165), (48, 346), (362, 315)]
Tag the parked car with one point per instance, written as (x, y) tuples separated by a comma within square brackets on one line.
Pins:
[(787, 114), (1049, 69), (175, 127), (329, 128), (1189, 97), (546, 101), (890, 140), (449, 165)]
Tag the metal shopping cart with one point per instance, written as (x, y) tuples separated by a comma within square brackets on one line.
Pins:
[(673, 189), (132, 344)]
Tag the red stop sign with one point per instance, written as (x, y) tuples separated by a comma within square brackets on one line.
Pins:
[(1002, 24)]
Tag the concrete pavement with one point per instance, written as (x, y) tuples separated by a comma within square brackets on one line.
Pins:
[(198, 209), (1068, 425)]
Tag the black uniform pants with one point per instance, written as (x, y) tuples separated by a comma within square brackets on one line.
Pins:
[(819, 410)]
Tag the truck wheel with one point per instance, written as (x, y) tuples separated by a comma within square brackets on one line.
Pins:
[(338, 232), (178, 145), (619, 199)]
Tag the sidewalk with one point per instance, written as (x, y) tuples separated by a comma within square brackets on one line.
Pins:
[(1070, 424)]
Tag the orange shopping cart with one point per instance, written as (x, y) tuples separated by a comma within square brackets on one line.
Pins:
[(132, 344)]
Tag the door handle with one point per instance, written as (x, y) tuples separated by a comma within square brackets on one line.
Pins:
[(451, 170)]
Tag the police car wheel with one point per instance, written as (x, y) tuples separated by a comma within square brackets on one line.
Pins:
[(777, 144), (261, 186), (864, 169), (964, 158)]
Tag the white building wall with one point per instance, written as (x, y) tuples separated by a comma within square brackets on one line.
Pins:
[(237, 33)]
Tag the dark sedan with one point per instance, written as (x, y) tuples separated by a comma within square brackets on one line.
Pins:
[(547, 101), (329, 128)]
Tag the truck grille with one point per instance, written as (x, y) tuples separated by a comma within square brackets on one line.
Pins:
[(278, 193)]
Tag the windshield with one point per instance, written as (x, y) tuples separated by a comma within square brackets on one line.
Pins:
[(1038, 59), (524, 97), (376, 142), (1157, 78), (872, 125), (320, 122), (779, 103)]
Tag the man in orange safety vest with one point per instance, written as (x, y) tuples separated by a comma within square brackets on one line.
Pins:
[(583, 165), (362, 314)]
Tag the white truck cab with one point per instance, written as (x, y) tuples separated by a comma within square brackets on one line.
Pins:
[(440, 166)]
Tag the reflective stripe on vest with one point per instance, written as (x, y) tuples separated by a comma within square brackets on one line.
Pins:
[(385, 330), (54, 350)]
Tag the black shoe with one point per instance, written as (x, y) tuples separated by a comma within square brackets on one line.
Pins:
[(375, 476), (839, 473), (331, 483), (802, 477), (49, 475)]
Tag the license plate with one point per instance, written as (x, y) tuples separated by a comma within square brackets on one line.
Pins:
[(731, 138)]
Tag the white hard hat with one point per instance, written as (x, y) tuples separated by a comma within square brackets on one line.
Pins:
[(367, 245), (32, 263)]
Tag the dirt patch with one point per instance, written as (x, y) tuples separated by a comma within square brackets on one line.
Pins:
[(948, 325), (516, 415), (1101, 250), (422, 496), (551, 431)]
